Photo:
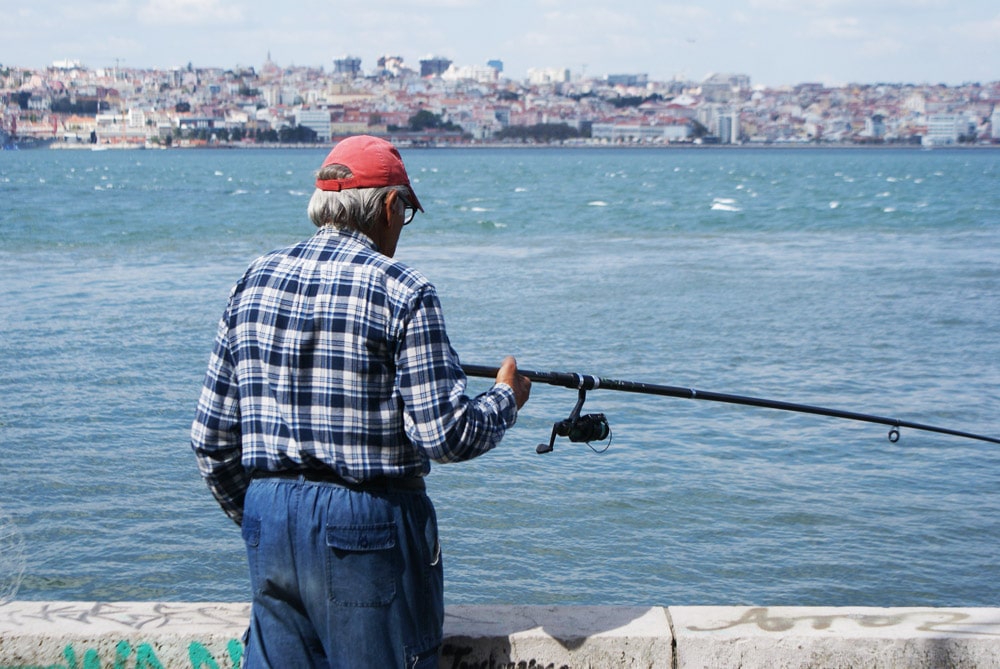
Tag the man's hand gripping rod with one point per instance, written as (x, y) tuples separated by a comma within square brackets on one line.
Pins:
[(594, 427), (578, 429)]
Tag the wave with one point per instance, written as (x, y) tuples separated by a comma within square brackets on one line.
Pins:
[(724, 204)]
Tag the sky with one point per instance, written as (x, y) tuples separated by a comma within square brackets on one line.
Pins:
[(775, 42)]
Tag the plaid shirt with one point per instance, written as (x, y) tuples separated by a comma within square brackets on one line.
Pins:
[(331, 354)]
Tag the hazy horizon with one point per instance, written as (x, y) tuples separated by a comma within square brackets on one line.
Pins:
[(775, 42)]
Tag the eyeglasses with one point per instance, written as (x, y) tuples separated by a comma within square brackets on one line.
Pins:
[(409, 211)]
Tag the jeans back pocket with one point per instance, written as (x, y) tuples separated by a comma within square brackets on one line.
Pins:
[(363, 564)]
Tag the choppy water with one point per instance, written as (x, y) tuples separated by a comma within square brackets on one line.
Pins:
[(866, 280)]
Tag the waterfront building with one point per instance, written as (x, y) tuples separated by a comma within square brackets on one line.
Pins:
[(943, 129), (875, 127), (317, 120), (727, 125), (675, 130)]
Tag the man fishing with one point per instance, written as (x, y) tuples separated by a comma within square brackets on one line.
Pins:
[(331, 387)]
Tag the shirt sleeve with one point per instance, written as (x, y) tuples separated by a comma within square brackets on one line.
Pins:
[(438, 416), (216, 433)]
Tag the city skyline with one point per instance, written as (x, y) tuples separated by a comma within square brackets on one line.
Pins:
[(775, 42)]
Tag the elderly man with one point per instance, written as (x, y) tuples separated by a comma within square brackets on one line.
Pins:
[(331, 387)]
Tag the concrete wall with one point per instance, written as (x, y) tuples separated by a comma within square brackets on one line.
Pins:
[(149, 635)]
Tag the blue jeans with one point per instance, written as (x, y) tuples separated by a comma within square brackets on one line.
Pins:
[(342, 578)]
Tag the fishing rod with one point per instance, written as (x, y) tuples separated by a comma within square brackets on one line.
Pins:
[(594, 427)]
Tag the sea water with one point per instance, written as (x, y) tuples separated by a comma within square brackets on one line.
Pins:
[(863, 280)]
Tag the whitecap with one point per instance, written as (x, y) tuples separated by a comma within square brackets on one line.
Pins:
[(722, 206), (834, 204), (597, 203), (218, 173), (239, 191), (297, 193), (520, 190), (479, 209), (889, 210)]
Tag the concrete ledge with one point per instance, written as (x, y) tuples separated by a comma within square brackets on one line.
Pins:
[(91, 635), (725, 636), (557, 636), (150, 635)]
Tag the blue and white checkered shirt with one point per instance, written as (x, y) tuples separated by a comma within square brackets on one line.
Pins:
[(333, 355)]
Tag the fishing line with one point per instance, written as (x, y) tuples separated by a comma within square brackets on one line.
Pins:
[(595, 427)]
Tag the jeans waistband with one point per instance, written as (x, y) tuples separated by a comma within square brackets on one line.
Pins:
[(377, 484)]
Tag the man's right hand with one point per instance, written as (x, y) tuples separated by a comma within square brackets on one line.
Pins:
[(520, 383)]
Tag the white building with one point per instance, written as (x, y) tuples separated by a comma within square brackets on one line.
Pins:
[(317, 120), (728, 127), (483, 74), (542, 76), (642, 134), (944, 129)]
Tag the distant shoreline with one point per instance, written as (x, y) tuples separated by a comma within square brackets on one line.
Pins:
[(498, 145)]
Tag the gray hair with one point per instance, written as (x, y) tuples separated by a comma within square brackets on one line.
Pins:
[(354, 208)]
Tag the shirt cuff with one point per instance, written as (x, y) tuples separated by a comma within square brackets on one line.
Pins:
[(506, 402)]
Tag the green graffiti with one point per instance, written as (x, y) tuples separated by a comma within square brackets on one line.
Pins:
[(145, 658), (201, 658), (142, 656), (122, 651), (91, 660)]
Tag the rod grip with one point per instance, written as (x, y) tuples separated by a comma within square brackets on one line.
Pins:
[(564, 379)]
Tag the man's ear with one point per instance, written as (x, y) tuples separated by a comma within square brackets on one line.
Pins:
[(390, 205)]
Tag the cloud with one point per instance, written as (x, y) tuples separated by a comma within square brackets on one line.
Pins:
[(683, 13), (837, 27), (986, 30), (109, 10), (189, 12), (444, 4), (882, 46)]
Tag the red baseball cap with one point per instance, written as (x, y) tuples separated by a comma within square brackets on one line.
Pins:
[(374, 163)]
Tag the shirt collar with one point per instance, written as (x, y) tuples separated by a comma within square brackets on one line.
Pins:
[(356, 235)]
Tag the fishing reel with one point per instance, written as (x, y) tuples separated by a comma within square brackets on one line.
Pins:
[(579, 429)]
